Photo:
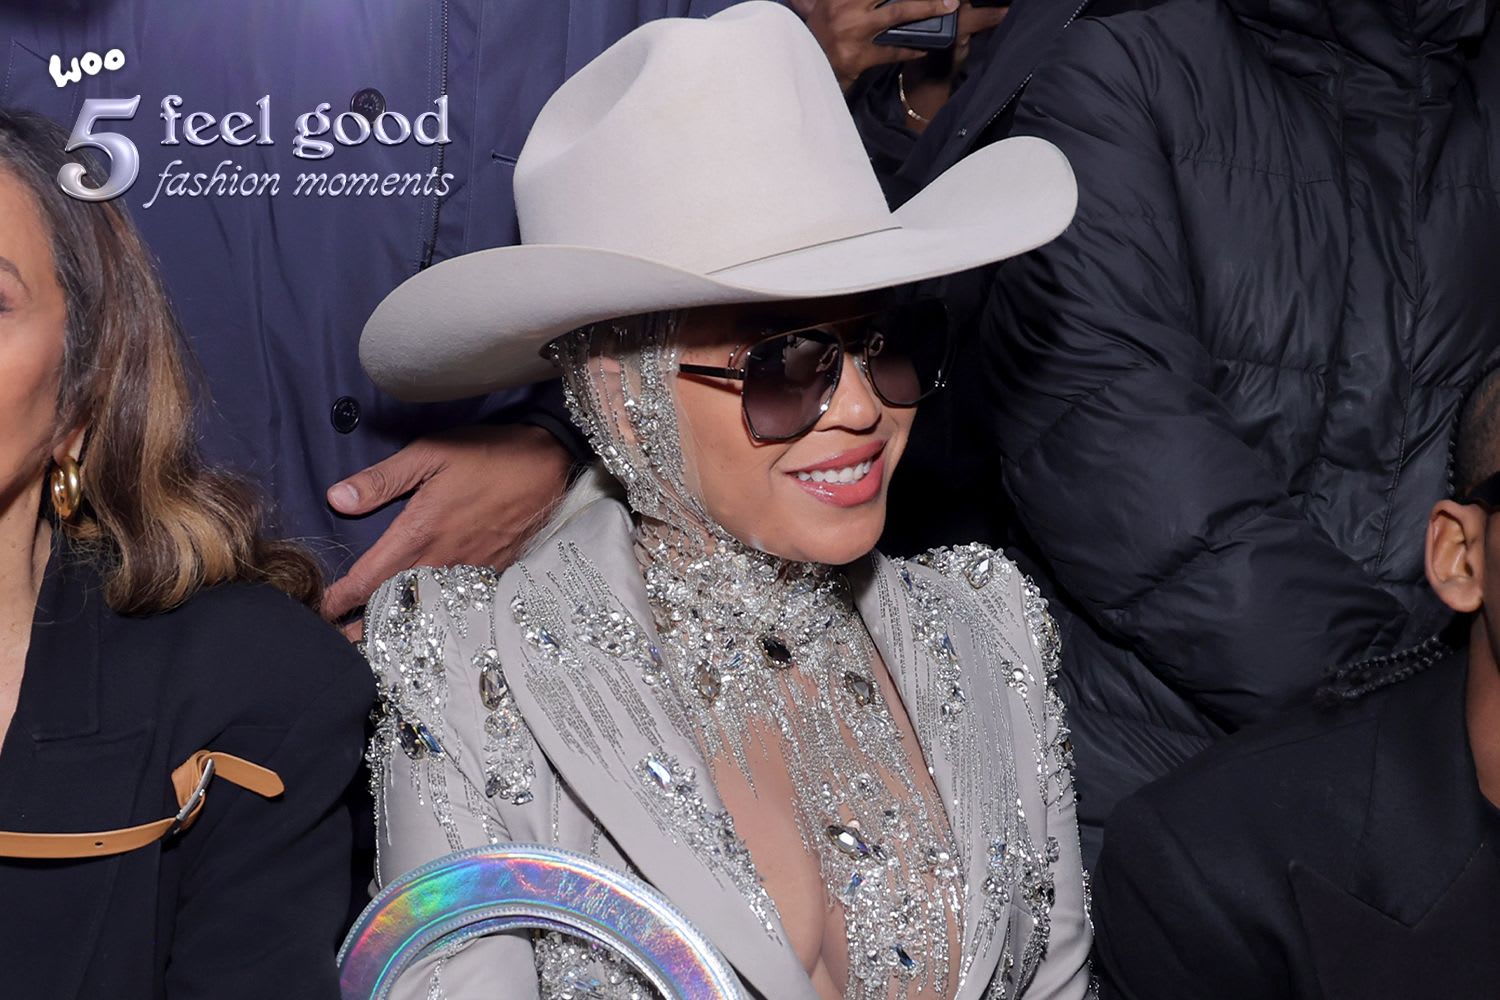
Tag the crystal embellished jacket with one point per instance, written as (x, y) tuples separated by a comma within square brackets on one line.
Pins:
[(521, 708)]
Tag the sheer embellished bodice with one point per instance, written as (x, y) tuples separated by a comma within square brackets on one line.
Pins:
[(775, 673)]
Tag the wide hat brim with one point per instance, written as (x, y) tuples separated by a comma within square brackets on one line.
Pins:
[(478, 323)]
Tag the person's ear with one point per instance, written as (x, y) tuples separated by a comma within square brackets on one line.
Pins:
[(71, 446), (1455, 554)]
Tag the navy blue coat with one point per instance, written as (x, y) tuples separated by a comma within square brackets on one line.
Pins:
[(274, 290)]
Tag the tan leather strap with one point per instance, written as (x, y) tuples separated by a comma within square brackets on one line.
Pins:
[(190, 782)]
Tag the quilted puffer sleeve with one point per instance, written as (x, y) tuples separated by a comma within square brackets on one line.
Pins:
[(1163, 524)]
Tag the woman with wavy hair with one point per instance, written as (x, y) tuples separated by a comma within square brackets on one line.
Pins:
[(180, 730)]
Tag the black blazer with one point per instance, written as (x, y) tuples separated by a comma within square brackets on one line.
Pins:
[(249, 901), (1345, 855)]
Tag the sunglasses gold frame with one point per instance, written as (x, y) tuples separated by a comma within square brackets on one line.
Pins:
[(736, 370)]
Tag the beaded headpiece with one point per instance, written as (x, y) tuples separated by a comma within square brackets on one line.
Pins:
[(617, 379)]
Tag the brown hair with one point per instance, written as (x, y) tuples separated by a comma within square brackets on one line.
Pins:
[(159, 522)]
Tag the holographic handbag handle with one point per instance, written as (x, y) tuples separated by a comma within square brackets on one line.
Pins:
[(485, 890)]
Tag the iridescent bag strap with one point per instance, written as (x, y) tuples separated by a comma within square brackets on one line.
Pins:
[(491, 889), (190, 782)]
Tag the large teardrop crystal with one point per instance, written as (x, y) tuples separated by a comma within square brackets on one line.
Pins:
[(848, 840)]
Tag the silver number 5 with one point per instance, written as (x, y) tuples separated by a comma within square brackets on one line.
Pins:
[(124, 158)]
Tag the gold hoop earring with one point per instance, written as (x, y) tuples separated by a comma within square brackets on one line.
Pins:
[(67, 488)]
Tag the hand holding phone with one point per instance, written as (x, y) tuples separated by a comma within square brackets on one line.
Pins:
[(929, 33), (847, 30)]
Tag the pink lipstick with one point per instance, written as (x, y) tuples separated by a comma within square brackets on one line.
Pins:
[(847, 479)]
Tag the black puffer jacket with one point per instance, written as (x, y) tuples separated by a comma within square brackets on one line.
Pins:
[(1224, 396)]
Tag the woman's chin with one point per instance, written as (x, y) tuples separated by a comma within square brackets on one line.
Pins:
[(797, 527), (849, 553), (852, 536)]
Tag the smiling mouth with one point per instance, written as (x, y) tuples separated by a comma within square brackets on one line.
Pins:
[(843, 476), (848, 479)]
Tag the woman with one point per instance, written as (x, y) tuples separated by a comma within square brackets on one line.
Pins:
[(145, 620), (854, 781)]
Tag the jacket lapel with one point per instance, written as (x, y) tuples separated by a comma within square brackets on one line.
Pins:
[(587, 667), (885, 596), (1362, 953), (1421, 900), (61, 772)]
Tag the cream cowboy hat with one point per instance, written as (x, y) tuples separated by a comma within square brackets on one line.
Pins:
[(698, 162)]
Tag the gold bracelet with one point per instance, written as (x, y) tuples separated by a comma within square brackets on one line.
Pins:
[(901, 91)]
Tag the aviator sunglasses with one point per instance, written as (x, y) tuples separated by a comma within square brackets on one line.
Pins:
[(788, 377)]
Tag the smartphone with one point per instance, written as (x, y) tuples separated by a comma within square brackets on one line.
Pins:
[(929, 33)]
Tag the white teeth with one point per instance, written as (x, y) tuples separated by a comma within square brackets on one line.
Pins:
[(848, 474)]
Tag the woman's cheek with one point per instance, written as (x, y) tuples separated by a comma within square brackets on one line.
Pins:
[(28, 408)]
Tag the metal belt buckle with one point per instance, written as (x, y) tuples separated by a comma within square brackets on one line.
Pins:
[(193, 799)]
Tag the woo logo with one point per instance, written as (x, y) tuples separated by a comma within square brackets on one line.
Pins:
[(90, 63)]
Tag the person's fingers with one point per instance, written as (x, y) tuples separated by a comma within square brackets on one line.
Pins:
[(354, 630), (376, 486), (803, 8), (906, 11), (893, 54), (403, 546), (972, 20)]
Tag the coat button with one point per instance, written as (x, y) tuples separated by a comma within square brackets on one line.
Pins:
[(345, 414), (368, 102)]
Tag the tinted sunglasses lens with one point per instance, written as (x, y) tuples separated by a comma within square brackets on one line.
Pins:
[(906, 351), (787, 381)]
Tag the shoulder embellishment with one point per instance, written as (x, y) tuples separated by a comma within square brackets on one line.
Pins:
[(974, 563), (407, 635)]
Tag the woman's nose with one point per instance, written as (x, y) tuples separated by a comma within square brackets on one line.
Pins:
[(854, 405)]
